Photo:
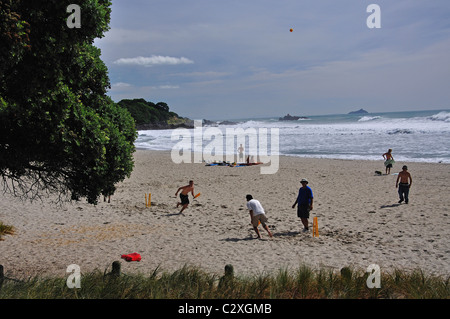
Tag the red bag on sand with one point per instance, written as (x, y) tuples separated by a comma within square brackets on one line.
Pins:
[(132, 257)]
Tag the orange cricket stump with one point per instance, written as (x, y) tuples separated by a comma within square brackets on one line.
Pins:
[(148, 202), (315, 227)]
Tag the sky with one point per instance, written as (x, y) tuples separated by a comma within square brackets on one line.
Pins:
[(234, 59)]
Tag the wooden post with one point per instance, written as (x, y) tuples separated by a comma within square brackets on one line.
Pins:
[(229, 271), (116, 269), (2, 276), (228, 278)]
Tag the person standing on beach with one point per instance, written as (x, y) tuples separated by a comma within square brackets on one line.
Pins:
[(405, 184), (388, 161), (305, 203), (185, 190), (241, 153), (257, 215)]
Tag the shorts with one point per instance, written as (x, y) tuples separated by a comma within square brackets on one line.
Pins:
[(259, 218), (184, 199), (303, 211)]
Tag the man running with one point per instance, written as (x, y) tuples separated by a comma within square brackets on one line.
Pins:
[(185, 190), (257, 215)]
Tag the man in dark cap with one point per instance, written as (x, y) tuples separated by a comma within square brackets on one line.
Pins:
[(305, 203)]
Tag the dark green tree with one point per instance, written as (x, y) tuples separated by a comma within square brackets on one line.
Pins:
[(59, 131)]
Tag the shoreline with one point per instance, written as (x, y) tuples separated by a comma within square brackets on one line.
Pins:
[(142, 149), (379, 163), (360, 221)]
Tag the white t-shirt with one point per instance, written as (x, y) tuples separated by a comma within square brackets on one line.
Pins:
[(255, 206)]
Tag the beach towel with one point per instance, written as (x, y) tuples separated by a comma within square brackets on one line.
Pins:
[(132, 257), (389, 161)]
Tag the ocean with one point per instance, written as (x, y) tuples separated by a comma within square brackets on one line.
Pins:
[(416, 136)]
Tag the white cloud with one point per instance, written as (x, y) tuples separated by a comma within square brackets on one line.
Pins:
[(121, 85), (166, 87), (211, 74), (153, 60)]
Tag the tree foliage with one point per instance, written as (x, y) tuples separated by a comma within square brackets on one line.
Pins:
[(59, 131)]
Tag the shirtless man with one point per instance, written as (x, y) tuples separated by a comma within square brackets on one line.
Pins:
[(185, 190), (241, 153), (405, 183)]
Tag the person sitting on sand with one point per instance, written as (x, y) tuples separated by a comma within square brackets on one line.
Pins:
[(257, 215), (305, 203), (388, 161), (405, 183), (185, 190)]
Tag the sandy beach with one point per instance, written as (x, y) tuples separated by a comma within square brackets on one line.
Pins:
[(360, 221)]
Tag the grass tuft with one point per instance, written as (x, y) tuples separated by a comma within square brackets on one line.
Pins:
[(5, 230), (194, 283)]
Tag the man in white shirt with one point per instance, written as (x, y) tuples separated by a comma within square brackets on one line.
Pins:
[(257, 215)]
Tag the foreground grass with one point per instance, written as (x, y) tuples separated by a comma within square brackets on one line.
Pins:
[(5, 230), (193, 283)]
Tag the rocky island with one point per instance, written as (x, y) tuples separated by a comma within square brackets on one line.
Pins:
[(289, 117), (360, 111)]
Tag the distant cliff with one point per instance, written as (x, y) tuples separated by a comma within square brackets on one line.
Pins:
[(360, 111), (151, 116)]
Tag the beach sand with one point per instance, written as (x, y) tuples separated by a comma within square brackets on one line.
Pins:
[(360, 221)]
